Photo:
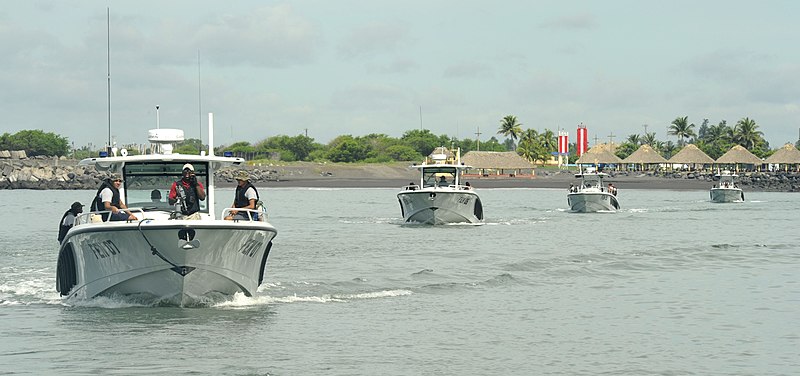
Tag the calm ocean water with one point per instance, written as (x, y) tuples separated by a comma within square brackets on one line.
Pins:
[(671, 285)]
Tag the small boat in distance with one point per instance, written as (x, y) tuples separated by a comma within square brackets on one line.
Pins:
[(727, 190), (440, 197), (164, 257), (591, 195)]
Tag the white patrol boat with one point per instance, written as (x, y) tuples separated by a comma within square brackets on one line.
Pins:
[(441, 197), (162, 256), (591, 196), (727, 190)]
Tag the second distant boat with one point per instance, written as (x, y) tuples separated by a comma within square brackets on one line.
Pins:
[(591, 196), (441, 197)]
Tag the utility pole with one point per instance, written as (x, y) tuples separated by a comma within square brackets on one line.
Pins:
[(645, 129), (595, 139), (478, 138)]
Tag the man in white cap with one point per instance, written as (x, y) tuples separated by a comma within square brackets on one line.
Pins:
[(189, 192)]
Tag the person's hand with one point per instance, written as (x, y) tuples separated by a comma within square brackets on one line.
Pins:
[(193, 180)]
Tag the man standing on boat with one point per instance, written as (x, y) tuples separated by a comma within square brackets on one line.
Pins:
[(68, 220), (189, 192)]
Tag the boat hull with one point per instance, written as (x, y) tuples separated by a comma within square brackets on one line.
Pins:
[(176, 263), (725, 195), (439, 206), (590, 202)]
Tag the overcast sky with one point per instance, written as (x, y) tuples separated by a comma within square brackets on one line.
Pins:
[(332, 67)]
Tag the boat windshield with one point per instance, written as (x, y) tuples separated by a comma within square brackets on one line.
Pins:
[(438, 176), (147, 184)]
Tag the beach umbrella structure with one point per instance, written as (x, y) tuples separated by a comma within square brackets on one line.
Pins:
[(786, 156), (691, 155), (646, 157), (497, 162), (737, 156), (599, 154)]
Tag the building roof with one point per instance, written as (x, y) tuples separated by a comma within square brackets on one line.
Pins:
[(691, 154), (739, 155), (788, 154), (501, 160), (645, 155), (599, 154)]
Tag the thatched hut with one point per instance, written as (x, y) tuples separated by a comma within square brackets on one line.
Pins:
[(737, 156), (599, 154), (691, 156), (645, 157), (497, 163), (787, 157)]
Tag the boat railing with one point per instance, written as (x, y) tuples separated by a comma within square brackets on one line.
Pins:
[(250, 215), (105, 216), (414, 187)]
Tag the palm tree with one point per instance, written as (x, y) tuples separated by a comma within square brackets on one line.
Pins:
[(634, 139), (668, 149), (649, 139), (746, 133), (528, 135), (510, 128), (680, 127), (549, 140)]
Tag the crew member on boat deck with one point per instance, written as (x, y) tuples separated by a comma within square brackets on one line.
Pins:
[(246, 197), (189, 192), (155, 195), (442, 181), (468, 186), (109, 200), (412, 186), (612, 189), (68, 220)]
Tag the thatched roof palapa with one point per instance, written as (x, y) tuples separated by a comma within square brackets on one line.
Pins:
[(691, 154), (645, 155), (788, 154), (505, 160), (739, 155), (599, 154)]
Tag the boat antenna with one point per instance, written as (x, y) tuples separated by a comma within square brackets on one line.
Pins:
[(158, 118), (108, 72), (199, 102)]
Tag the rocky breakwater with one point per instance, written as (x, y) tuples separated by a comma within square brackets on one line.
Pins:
[(776, 181), (61, 173), (47, 173)]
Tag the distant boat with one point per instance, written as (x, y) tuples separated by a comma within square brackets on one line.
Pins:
[(727, 190), (163, 256), (441, 197), (591, 195)]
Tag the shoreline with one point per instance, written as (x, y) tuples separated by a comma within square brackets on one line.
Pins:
[(56, 174)]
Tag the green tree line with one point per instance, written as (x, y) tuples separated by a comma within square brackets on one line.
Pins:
[(532, 144)]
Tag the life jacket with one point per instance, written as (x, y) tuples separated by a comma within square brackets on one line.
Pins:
[(62, 228), (190, 204), (240, 200), (97, 203)]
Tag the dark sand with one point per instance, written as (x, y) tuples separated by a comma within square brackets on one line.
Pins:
[(396, 176)]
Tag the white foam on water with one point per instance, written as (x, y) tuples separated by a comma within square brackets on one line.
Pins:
[(240, 301)]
